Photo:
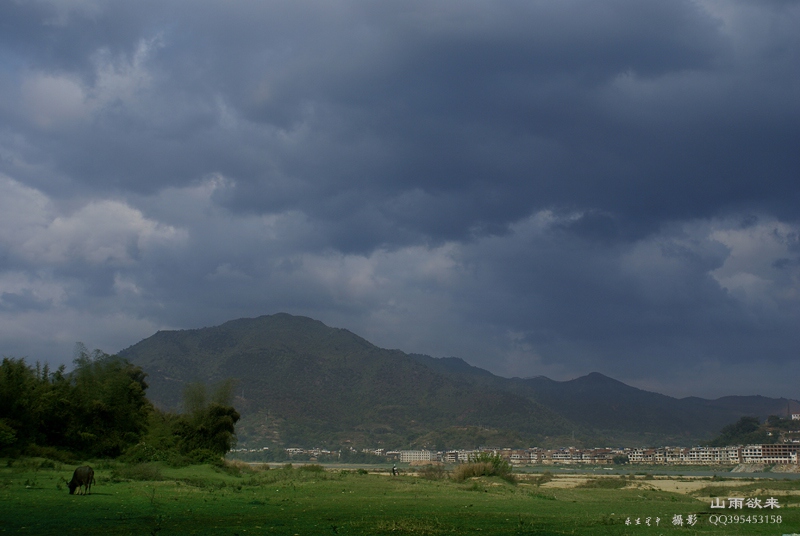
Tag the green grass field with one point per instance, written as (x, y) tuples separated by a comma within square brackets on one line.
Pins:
[(154, 499)]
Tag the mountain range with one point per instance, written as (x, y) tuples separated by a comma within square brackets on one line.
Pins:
[(299, 382)]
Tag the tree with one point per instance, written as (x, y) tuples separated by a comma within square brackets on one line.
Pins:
[(203, 433), (214, 430), (110, 408), (747, 430), (208, 428), (34, 405), (98, 409), (18, 424)]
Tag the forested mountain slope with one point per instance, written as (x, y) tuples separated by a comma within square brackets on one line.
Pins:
[(301, 382)]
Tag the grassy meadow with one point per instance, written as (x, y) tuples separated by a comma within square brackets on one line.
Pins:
[(300, 500)]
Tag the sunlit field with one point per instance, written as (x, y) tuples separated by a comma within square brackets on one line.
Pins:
[(239, 499)]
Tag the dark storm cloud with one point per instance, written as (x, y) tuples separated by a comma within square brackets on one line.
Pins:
[(504, 118), (497, 117), (540, 187), (439, 95), (21, 302)]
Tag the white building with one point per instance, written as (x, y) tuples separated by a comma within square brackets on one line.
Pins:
[(407, 456), (751, 454)]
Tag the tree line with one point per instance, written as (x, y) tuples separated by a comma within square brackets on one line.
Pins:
[(99, 409), (750, 430)]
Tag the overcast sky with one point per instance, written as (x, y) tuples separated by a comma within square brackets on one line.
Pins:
[(540, 187)]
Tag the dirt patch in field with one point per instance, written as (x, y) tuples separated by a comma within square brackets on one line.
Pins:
[(690, 486), (686, 485), (682, 485), (557, 481)]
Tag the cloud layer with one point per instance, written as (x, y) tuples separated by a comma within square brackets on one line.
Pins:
[(538, 187)]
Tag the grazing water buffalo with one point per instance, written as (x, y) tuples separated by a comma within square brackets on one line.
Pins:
[(83, 477)]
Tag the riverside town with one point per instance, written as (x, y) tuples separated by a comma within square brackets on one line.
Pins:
[(785, 453)]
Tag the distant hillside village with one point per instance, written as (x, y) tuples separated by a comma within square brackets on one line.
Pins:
[(741, 454), (784, 452), (767, 454)]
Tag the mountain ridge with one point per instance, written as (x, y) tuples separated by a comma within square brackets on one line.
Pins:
[(302, 382)]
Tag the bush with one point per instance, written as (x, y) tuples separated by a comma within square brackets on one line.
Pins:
[(201, 456), (470, 470), (313, 468), (544, 478), (51, 453), (8, 435), (433, 472), (604, 483), (237, 468), (33, 464), (144, 453), (141, 471), (484, 465)]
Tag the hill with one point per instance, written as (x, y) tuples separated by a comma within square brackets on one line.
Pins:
[(606, 411), (300, 382)]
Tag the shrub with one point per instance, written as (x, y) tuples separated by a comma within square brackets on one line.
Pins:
[(8, 435), (312, 467), (51, 453), (201, 456), (33, 464), (237, 468), (544, 478), (228, 469), (144, 452), (484, 464), (433, 472), (470, 470), (140, 471), (604, 483)]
